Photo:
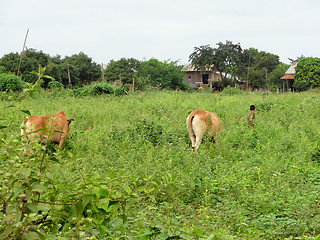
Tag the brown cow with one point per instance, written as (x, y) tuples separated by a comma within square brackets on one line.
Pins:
[(198, 123), (55, 127)]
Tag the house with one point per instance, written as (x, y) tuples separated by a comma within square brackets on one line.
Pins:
[(197, 78), (288, 78)]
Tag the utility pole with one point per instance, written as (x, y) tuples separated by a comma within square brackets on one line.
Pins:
[(22, 52)]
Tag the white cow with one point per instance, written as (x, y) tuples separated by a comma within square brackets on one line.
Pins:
[(198, 123)]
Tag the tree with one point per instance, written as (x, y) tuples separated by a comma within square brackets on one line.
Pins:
[(163, 75), (88, 70), (30, 62), (122, 70), (297, 59), (307, 74), (10, 62), (259, 65), (274, 80), (225, 59)]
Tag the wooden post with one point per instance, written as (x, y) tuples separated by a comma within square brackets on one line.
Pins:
[(70, 84), (22, 52), (102, 70), (248, 74), (132, 87), (267, 79)]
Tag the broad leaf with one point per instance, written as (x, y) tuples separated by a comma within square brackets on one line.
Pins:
[(26, 112)]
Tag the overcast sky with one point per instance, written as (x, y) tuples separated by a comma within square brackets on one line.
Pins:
[(162, 29)]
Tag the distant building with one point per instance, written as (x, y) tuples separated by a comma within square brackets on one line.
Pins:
[(197, 78), (288, 78)]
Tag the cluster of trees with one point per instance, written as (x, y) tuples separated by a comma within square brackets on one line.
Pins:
[(151, 73), (257, 69), (79, 67), (79, 70)]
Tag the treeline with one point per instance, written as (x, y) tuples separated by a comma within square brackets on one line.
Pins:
[(256, 69), (79, 70)]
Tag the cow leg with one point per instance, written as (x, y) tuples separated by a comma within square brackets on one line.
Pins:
[(192, 139), (197, 143), (62, 139)]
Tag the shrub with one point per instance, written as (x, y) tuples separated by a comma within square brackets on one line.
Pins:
[(99, 88), (232, 91), (2, 68), (10, 82), (55, 85)]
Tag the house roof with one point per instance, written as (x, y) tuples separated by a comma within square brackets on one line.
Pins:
[(287, 76), (290, 72), (291, 69), (192, 68)]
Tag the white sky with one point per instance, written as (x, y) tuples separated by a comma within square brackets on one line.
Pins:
[(162, 29)]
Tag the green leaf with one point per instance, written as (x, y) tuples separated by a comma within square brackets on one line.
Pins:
[(127, 189), (85, 200), (52, 158), (26, 112), (25, 172), (39, 188), (2, 126), (49, 77), (32, 207), (17, 191), (104, 204), (8, 230)]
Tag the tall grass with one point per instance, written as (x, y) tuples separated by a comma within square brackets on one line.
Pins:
[(253, 183)]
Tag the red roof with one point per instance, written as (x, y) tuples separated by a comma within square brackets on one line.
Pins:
[(288, 76)]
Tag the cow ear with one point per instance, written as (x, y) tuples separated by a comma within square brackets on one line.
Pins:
[(70, 120)]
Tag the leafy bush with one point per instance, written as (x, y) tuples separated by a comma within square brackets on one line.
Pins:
[(99, 88), (2, 68), (232, 91), (55, 85), (10, 82)]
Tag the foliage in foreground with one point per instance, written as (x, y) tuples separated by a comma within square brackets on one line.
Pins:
[(127, 171)]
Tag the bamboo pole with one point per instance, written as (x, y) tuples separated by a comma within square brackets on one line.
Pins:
[(22, 52)]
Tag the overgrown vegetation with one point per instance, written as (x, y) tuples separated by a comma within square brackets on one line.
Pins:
[(127, 171)]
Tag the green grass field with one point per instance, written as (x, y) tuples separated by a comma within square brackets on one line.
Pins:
[(127, 171)]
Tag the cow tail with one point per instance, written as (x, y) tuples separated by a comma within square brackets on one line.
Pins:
[(190, 128)]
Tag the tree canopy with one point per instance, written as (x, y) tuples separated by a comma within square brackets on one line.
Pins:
[(122, 70), (163, 75), (248, 65), (225, 59), (307, 74), (81, 67)]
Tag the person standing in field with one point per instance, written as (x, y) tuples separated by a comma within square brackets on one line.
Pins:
[(251, 116)]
